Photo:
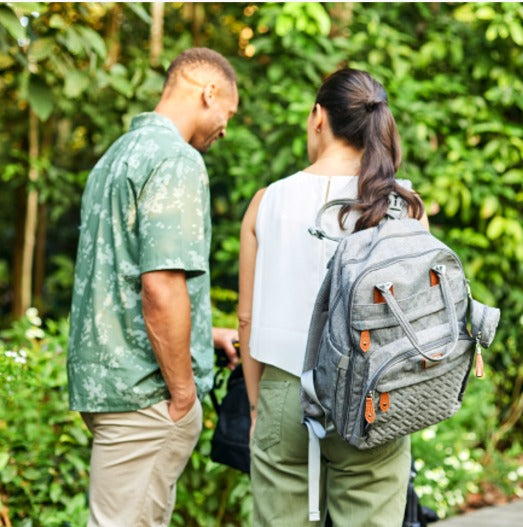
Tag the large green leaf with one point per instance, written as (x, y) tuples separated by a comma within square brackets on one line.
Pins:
[(76, 83), (74, 41), (40, 98), (57, 22), (121, 85), (93, 40), (4, 459), (11, 23), (41, 48), (137, 9), (28, 8)]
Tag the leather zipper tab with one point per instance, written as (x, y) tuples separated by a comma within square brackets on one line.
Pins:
[(480, 370), (365, 340), (370, 415), (384, 401)]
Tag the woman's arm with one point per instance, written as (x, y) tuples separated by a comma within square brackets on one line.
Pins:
[(248, 248), (424, 220)]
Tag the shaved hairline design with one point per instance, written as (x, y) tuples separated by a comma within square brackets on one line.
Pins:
[(195, 58)]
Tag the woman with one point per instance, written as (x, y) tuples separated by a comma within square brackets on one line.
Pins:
[(354, 150)]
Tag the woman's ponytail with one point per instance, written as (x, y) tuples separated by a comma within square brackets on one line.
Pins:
[(358, 112)]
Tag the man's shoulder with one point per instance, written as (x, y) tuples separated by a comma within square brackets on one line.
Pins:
[(153, 136), (175, 152)]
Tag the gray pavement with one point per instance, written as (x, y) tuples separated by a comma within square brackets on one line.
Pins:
[(510, 515)]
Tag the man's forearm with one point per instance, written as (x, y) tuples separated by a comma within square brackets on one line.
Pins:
[(167, 314)]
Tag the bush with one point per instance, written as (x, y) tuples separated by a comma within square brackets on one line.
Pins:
[(44, 451), (44, 448), (453, 459)]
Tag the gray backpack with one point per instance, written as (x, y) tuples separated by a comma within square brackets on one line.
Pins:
[(389, 351)]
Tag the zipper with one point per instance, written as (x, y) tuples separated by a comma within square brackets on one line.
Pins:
[(389, 237), (371, 386), (369, 394), (328, 190), (406, 354)]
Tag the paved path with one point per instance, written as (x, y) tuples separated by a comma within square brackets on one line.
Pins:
[(510, 515)]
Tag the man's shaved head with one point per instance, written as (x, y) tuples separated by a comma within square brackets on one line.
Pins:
[(199, 59), (200, 96)]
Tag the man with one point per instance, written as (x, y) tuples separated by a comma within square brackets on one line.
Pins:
[(140, 354)]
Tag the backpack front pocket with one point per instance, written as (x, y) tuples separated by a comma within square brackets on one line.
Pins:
[(413, 393), (331, 371)]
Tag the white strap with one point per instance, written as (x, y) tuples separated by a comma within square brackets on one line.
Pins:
[(307, 383), (316, 432)]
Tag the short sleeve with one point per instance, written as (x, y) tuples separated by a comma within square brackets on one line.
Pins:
[(171, 223)]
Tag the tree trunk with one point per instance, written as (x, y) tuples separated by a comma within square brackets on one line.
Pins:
[(46, 146), (341, 16), (195, 13), (39, 260), (25, 237), (156, 38), (113, 35)]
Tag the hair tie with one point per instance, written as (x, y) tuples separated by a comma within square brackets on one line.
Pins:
[(371, 106)]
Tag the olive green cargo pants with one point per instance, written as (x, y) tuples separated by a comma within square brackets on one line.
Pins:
[(360, 488)]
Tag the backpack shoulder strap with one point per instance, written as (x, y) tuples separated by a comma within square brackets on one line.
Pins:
[(398, 207)]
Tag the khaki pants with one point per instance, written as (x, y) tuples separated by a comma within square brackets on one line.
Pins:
[(136, 460), (360, 488)]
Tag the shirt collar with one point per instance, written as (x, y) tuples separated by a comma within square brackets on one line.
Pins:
[(155, 119)]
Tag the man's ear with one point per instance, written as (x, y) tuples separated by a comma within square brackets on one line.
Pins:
[(209, 94)]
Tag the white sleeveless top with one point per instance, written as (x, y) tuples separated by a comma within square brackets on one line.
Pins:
[(291, 263)]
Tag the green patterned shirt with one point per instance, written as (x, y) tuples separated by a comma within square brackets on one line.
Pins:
[(145, 207)]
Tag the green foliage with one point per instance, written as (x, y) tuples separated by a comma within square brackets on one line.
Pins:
[(45, 449), (452, 459), (453, 78)]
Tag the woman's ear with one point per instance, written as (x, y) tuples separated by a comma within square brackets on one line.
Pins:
[(317, 118)]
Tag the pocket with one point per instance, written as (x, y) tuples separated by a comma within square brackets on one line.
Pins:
[(330, 380), (271, 401), (193, 415), (416, 400), (422, 310), (189, 417)]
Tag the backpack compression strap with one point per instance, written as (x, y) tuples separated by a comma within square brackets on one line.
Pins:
[(316, 432)]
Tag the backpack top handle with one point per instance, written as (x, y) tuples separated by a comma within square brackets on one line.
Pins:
[(395, 211)]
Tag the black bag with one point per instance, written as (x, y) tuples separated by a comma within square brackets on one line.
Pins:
[(416, 515), (230, 441)]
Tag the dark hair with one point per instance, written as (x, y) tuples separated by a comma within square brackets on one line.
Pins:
[(196, 57), (358, 112)]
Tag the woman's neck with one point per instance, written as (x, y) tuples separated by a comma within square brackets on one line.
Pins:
[(337, 161)]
